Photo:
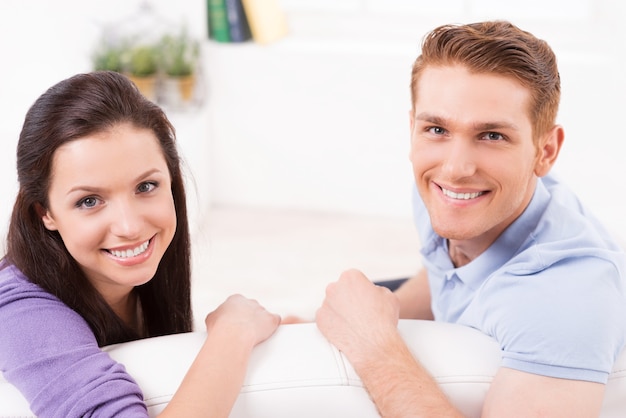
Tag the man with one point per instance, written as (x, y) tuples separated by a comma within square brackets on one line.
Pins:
[(507, 249)]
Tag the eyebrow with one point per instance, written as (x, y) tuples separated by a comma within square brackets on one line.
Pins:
[(430, 118), (480, 126), (91, 189)]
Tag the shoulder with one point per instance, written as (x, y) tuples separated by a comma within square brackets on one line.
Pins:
[(559, 229), (34, 324), (18, 295), (566, 217), (558, 306), (567, 321), (17, 292), (50, 354), (28, 310)]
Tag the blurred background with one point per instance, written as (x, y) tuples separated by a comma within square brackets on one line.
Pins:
[(302, 137)]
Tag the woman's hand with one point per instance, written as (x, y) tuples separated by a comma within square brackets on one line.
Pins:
[(245, 317), (214, 380)]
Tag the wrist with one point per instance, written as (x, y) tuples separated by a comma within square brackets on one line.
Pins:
[(378, 346), (240, 339)]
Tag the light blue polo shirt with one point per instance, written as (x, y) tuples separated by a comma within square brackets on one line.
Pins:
[(551, 289)]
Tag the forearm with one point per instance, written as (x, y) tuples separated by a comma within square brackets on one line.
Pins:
[(214, 380), (361, 320), (399, 385)]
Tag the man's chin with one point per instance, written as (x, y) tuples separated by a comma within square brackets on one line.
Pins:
[(454, 232)]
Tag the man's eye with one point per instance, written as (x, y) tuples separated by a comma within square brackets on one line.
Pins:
[(494, 136), (146, 187), (437, 130)]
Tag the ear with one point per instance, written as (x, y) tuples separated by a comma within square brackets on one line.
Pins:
[(46, 218), (548, 151)]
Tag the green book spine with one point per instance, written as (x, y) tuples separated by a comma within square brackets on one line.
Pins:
[(218, 20)]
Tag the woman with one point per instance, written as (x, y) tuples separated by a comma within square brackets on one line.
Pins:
[(98, 253)]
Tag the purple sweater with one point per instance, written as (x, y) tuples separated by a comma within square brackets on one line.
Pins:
[(50, 354)]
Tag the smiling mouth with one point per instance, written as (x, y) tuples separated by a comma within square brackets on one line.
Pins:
[(461, 196), (131, 252)]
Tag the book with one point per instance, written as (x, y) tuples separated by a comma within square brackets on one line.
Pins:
[(217, 20), (238, 27), (267, 20)]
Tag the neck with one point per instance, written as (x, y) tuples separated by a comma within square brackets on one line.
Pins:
[(126, 308), (462, 254)]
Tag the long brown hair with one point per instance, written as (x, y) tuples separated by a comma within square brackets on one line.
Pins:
[(83, 105), (497, 47)]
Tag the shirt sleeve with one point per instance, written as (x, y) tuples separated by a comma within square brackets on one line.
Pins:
[(50, 354), (571, 324)]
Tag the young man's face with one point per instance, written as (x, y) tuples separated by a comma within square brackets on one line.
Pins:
[(472, 150)]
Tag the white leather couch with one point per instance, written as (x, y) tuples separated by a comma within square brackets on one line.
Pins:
[(297, 373)]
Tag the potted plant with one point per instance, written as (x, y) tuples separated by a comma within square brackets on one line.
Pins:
[(179, 57), (142, 67), (109, 56)]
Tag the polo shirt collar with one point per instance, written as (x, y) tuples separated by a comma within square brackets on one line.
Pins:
[(508, 243)]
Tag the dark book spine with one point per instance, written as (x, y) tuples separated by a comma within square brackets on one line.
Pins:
[(238, 27)]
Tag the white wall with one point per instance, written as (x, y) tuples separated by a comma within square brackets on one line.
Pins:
[(319, 119), (43, 42)]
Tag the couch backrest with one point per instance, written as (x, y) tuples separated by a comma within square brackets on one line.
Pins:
[(298, 373)]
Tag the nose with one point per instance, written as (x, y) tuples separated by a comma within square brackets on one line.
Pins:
[(125, 219), (459, 160)]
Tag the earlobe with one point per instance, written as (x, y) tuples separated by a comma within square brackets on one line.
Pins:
[(47, 220), (549, 150)]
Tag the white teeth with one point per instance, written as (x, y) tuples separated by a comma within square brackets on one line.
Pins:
[(461, 196), (131, 253)]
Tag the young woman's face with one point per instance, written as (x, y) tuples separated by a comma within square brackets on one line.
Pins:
[(110, 199)]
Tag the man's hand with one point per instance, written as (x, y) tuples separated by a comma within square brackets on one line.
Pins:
[(358, 316), (361, 320)]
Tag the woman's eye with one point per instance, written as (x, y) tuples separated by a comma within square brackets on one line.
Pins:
[(87, 202), (146, 187)]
